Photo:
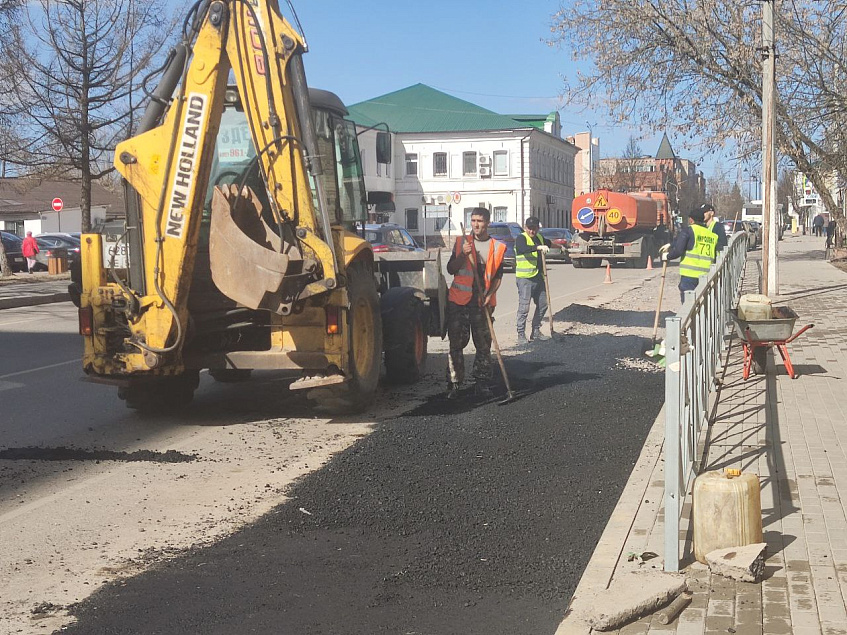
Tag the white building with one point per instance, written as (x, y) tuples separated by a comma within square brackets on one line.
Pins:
[(450, 156)]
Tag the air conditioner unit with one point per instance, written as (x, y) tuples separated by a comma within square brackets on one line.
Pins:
[(485, 171), (484, 159), (440, 199)]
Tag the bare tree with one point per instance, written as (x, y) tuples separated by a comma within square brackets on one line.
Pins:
[(75, 66), (622, 174), (725, 195), (694, 65)]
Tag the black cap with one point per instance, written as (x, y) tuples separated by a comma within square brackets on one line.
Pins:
[(532, 222), (698, 215)]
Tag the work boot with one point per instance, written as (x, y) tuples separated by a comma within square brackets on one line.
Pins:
[(482, 390), (452, 391), (538, 336), (522, 341)]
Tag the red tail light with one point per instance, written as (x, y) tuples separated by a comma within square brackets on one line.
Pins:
[(560, 241), (86, 321), (333, 314), (380, 248)]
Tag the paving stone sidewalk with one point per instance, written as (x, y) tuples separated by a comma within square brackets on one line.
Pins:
[(30, 289), (793, 434)]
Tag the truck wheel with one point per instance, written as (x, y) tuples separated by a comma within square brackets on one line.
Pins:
[(230, 375), (577, 263), (364, 323), (760, 360), (160, 395), (591, 263), (406, 342)]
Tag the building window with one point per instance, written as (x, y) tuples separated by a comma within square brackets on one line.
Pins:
[(468, 163), (500, 213), (501, 163), (411, 165), (439, 164), (412, 218)]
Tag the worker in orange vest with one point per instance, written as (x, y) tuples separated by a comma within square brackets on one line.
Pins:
[(465, 302)]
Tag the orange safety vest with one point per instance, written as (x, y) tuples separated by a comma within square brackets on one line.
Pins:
[(461, 290)]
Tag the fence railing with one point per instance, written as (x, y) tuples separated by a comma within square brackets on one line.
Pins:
[(694, 342)]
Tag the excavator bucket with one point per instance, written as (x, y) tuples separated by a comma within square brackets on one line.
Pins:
[(244, 251)]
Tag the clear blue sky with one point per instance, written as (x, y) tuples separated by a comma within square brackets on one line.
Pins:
[(492, 53)]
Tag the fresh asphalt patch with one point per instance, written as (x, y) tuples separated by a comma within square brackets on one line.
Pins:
[(466, 518), (74, 454)]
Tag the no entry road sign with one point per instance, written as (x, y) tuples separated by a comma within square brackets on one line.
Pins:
[(58, 204)]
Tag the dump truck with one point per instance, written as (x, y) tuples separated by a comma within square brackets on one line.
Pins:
[(621, 228), (244, 248)]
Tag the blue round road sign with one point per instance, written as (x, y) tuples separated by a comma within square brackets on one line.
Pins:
[(585, 216)]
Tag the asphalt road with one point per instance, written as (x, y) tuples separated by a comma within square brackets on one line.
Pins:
[(422, 516)]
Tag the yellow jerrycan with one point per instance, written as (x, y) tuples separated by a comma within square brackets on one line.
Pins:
[(727, 511)]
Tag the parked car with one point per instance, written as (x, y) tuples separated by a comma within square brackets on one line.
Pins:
[(561, 239), (506, 233), (390, 237), (757, 228), (53, 246), (13, 245), (753, 237)]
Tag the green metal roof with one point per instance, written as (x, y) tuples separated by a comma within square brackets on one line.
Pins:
[(421, 108), (665, 150)]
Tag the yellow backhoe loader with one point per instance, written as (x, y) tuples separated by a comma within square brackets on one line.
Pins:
[(241, 248)]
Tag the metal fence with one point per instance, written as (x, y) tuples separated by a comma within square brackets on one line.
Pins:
[(694, 342)]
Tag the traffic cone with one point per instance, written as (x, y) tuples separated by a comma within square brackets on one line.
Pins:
[(608, 279), (649, 263)]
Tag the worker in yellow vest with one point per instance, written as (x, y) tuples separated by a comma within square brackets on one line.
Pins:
[(697, 245), (529, 276)]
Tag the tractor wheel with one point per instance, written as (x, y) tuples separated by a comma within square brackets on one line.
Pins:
[(160, 395), (406, 342), (364, 337), (760, 360)]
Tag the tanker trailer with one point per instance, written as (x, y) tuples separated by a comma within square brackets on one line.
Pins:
[(618, 227)]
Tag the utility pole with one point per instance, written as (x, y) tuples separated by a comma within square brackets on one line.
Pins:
[(590, 157), (770, 229)]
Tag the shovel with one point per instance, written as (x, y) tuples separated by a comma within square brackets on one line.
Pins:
[(510, 395), (547, 291), (655, 351)]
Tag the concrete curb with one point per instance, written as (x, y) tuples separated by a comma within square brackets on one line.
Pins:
[(33, 300), (607, 555)]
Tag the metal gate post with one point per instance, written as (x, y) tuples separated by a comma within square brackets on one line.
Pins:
[(673, 428)]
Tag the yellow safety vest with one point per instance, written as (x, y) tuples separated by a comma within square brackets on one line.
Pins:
[(697, 261), (526, 265)]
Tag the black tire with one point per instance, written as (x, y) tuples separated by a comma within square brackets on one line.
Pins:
[(160, 395), (577, 263), (405, 342), (591, 263), (365, 347), (760, 360), (230, 375)]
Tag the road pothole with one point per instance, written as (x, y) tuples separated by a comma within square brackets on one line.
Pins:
[(74, 454)]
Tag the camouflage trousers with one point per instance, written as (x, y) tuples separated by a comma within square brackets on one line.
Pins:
[(462, 322)]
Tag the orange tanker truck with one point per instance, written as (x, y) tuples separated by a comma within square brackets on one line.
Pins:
[(620, 228)]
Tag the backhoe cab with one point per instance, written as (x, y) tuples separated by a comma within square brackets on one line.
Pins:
[(241, 201)]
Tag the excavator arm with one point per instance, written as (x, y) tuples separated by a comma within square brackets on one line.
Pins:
[(272, 259)]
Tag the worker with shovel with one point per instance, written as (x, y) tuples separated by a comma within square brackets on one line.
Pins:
[(697, 245), (530, 278), (465, 307)]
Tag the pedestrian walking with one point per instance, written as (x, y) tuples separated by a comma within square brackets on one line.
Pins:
[(697, 246), (30, 249), (830, 234), (817, 225), (529, 276), (466, 302), (715, 225)]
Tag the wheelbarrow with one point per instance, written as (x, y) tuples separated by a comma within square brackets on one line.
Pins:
[(757, 336)]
